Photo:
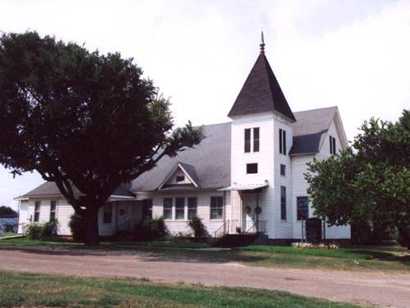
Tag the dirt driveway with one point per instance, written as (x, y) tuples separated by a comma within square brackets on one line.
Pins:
[(388, 290)]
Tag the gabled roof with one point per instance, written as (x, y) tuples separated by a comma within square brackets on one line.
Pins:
[(187, 169), (308, 129), (261, 92), (209, 162)]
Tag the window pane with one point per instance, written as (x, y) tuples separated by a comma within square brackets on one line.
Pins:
[(256, 139), (107, 219), (179, 208), (167, 208), (330, 144), (247, 140), (52, 210), (283, 213), (147, 209), (192, 208), (284, 142), (280, 141), (251, 168), (37, 205), (302, 204), (282, 169), (216, 211)]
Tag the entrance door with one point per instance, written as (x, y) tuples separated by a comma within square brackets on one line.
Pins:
[(249, 215), (123, 217)]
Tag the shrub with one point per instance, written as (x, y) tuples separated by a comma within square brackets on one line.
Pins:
[(77, 227), (49, 229), (34, 231), (404, 237), (152, 229), (37, 231), (198, 228)]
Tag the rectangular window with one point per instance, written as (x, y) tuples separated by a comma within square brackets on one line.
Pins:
[(283, 214), (192, 207), (256, 139), (37, 206), (167, 211), (52, 210), (302, 204), (282, 169), (147, 209), (282, 141), (179, 208), (332, 145), (247, 140), (251, 168), (107, 217), (216, 210)]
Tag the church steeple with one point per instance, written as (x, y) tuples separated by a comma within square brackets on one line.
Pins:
[(262, 44), (261, 91)]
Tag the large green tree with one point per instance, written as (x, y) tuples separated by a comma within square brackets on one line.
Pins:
[(86, 121), (369, 181)]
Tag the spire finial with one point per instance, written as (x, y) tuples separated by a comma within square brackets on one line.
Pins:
[(262, 44)]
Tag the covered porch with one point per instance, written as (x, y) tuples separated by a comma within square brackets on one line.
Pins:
[(246, 212), (122, 216)]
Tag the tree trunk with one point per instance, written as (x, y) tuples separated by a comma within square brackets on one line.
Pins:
[(91, 236)]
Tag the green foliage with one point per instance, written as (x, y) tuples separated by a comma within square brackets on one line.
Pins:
[(6, 211), (77, 227), (369, 182), (86, 121), (152, 229), (37, 231), (34, 231), (198, 228)]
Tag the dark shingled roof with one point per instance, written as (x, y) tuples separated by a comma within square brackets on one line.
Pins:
[(261, 92), (209, 163), (210, 160), (50, 189), (308, 129)]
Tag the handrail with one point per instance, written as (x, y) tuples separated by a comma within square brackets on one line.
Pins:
[(219, 229), (258, 226)]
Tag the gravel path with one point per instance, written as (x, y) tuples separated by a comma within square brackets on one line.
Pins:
[(384, 289)]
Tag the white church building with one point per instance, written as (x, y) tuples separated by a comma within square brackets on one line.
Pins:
[(246, 176)]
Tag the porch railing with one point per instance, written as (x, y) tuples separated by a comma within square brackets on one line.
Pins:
[(258, 226), (234, 226)]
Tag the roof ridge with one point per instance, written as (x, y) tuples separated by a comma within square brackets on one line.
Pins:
[(314, 109)]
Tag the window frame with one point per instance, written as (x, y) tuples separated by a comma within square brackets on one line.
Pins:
[(300, 217), (147, 209), (53, 210), (332, 145), (107, 213), (37, 210), (216, 207), (247, 140), (283, 203), (250, 170), (179, 207), (282, 141), (167, 208), (192, 207), (282, 168), (256, 139)]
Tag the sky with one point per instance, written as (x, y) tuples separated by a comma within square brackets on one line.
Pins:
[(353, 54)]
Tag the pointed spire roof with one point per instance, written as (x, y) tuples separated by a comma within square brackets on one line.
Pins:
[(261, 91)]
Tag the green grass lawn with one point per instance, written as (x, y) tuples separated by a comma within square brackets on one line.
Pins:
[(356, 258), (27, 290)]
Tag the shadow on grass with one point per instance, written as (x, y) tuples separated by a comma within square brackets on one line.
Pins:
[(386, 256)]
